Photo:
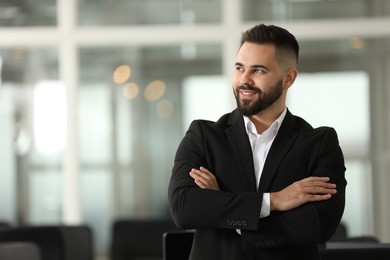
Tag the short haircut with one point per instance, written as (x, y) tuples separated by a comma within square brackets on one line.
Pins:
[(286, 45)]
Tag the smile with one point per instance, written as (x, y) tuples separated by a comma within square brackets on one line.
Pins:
[(248, 93)]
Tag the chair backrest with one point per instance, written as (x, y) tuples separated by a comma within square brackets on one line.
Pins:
[(355, 251), (4, 225), (340, 234), (78, 242), (54, 242), (19, 251), (139, 239), (177, 245)]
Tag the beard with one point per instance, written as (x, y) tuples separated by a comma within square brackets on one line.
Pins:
[(250, 107)]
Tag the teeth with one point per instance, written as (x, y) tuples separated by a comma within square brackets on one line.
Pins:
[(247, 93)]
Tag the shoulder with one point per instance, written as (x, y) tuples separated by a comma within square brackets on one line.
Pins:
[(307, 129), (215, 130), (222, 123)]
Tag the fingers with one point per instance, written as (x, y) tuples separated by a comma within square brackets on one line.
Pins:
[(204, 178), (199, 175), (311, 189), (317, 181), (314, 198), (317, 186)]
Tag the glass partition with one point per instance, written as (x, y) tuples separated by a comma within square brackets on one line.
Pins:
[(141, 12), (254, 10), (131, 113), (32, 119), (28, 13)]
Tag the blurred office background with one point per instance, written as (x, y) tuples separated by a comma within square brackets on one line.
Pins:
[(95, 96)]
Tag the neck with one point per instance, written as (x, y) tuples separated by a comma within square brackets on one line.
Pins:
[(264, 119)]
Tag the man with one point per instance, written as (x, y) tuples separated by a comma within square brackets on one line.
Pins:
[(260, 183)]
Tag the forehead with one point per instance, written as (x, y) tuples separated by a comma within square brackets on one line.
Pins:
[(253, 53)]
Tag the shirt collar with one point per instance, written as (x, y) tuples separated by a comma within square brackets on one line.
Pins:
[(250, 127)]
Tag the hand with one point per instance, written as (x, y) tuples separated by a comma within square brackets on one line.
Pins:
[(204, 178), (306, 190)]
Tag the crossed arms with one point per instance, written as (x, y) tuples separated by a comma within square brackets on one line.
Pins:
[(310, 189)]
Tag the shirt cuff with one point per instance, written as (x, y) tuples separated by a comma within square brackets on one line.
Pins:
[(265, 206)]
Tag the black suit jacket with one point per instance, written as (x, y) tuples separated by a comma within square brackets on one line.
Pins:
[(298, 151)]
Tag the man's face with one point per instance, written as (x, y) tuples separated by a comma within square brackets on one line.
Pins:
[(257, 81)]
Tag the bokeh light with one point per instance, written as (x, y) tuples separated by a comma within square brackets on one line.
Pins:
[(121, 74), (357, 43), (130, 90), (164, 108), (155, 90)]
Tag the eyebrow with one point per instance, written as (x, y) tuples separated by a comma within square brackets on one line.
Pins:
[(252, 66)]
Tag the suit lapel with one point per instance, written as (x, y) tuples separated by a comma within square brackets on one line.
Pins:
[(239, 141), (282, 144)]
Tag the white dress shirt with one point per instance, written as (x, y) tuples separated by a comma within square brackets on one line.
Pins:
[(261, 144)]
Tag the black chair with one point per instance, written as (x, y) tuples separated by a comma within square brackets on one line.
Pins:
[(19, 251), (54, 242), (177, 245), (139, 239), (355, 251), (341, 235), (4, 225)]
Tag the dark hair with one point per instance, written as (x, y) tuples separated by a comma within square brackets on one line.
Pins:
[(285, 43)]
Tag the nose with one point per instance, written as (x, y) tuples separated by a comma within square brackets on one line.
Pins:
[(246, 79)]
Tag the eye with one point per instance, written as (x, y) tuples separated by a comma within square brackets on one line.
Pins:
[(239, 68), (259, 71)]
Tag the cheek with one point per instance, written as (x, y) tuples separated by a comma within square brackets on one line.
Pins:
[(236, 80), (265, 83)]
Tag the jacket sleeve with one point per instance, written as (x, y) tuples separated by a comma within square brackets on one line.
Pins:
[(312, 222), (196, 208)]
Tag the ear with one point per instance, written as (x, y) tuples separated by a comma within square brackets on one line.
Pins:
[(289, 77)]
